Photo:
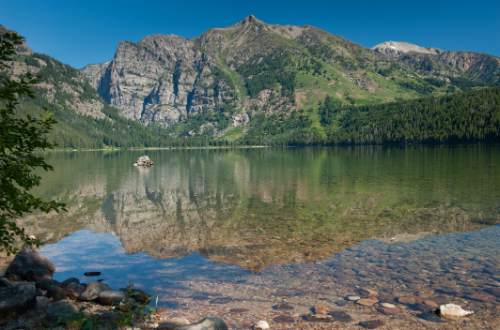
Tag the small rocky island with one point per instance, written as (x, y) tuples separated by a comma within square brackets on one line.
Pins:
[(144, 161)]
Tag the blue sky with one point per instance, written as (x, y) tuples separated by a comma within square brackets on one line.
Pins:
[(82, 32)]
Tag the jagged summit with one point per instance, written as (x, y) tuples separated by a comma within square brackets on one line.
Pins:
[(401, 47), (250, 19)]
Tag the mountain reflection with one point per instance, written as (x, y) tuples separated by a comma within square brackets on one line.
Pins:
[(255, 208)]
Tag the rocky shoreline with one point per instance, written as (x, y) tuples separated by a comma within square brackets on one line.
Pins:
[(31, 299)]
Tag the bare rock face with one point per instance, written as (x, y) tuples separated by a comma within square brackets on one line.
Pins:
[(162, 79), (29, 265)]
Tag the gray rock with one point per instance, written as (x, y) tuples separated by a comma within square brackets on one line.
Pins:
[(29, 265), (208, 323), (371, 324), (93, 290), (340, 316), (74, 290), (16, 298), (61, 311), (70, 281), (110, 297)]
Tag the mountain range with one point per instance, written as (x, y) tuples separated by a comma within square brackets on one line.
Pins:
[(254, 83)]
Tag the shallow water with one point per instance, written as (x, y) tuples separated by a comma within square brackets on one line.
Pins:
[(219, 226)]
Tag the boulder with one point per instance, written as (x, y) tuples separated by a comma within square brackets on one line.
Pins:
[(52, 288), (70, 281), (74, 290), (144, 161), (29, 265), (110, 297), (16, 298), (61, 311), (453, 311), (208, 323), (93, 290)]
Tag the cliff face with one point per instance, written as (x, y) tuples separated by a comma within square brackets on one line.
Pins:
[(161, 79)]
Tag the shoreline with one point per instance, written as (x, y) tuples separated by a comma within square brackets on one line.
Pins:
[(161, 148), (235, 147)]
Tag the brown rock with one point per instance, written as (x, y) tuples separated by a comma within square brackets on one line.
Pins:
[(482, 297), (238, 310), (367, 301), (409, 300), (319, 318), (365, 293), (320, 309), (430, 303), (494, 291), (389, 310)]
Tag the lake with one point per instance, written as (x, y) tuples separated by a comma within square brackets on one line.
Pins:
[(211, 230)]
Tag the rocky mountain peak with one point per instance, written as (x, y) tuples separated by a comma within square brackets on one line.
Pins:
[(251, 19)]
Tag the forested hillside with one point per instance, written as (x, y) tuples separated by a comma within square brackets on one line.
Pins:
[(461, 117)]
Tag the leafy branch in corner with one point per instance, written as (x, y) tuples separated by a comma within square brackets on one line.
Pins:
[(21, 140)]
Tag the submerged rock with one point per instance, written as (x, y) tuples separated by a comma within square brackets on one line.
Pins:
[(282, 307), (144, 161), (29, 265), (320, 309), (453, 311), (173, 323), (208, 323), (261, 325), (371, 324), (340, 316), (367, 301)]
